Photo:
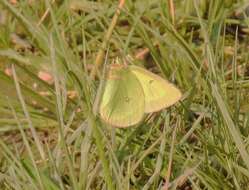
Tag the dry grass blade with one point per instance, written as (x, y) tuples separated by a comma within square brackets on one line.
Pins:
[(101, 53)]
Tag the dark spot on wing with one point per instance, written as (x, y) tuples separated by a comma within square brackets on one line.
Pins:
[(127, 99), (151, 81)]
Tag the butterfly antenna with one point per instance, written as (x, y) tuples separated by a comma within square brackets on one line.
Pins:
[(117, 61), (128, 60)]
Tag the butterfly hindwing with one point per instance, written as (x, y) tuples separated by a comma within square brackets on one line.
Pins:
[(123, 101), (158, 92)]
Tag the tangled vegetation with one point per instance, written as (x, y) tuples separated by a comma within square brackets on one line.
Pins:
[(52, 58)]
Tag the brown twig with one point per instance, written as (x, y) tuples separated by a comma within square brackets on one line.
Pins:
[(101, 52), (172, 11)]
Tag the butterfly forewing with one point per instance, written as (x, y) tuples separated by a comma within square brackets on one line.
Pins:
[(158, 92), (123, 101)]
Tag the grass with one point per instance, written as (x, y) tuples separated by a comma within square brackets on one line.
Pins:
[(51, 133)]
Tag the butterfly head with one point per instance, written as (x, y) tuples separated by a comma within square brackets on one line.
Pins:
[(115, 71)]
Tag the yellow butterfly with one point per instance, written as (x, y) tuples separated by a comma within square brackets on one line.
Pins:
[(131, 91)]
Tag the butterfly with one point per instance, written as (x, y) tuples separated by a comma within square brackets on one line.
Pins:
[(131, 91)]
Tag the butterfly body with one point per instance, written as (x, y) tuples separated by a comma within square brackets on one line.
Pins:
[(131, 91)]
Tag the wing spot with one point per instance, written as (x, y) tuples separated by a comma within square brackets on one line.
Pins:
[(151, 81), (127, 99)]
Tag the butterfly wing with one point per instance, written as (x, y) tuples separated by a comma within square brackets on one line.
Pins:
[(122, 102), (158, 92)]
